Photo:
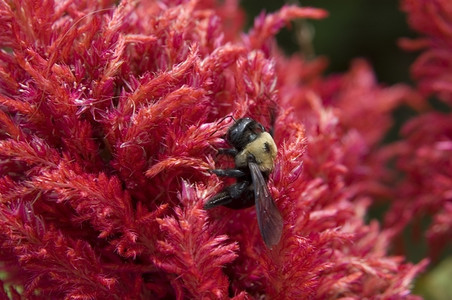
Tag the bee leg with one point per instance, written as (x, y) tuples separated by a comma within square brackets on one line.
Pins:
[(227, 196), (245, 200), (228, 151), (228, 172), (222, 198)]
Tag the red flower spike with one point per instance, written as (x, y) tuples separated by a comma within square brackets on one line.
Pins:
[(191, 253), (432, 69), (424, 158), (423, 155), (95, 198), (267, 26), (37, 248)]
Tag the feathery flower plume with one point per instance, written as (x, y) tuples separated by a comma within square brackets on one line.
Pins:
[(423, 154), (110, 117)]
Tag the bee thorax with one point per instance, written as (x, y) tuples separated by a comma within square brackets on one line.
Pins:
[(262, 151)]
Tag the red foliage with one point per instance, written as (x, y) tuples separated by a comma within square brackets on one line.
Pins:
[(423, 154), (424, 158), (110, 117), (433, 68), (191, 252)]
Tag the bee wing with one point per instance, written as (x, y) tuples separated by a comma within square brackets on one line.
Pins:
[(268, 216)]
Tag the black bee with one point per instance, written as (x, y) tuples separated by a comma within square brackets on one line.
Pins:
[(254, 151)]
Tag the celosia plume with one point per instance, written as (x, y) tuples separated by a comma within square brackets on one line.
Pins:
[(111, 116), (423, 155)]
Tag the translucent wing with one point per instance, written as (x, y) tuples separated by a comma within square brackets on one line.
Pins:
[(268, 216)]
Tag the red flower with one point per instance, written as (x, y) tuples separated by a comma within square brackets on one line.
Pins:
[(110, 117), (432, 69), (423, 155)]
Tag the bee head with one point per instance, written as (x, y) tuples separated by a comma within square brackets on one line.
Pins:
[(243, 132)]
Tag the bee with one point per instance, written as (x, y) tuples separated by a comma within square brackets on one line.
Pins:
[(254, 152)]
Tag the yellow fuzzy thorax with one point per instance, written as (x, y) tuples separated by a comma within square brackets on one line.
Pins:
[(263, 149)]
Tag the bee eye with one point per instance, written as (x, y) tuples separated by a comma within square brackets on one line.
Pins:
[(251, 158), (257, 128)]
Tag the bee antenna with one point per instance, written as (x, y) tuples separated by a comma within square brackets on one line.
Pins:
[(273, 115), (228, 116), (221, 121)]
